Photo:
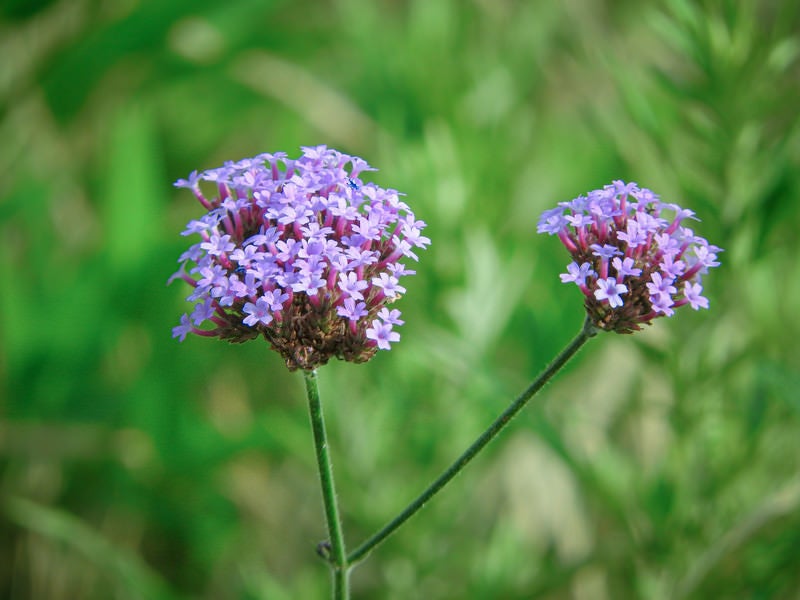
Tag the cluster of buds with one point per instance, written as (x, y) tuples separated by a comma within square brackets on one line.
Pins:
[(632, 258), (301, 252)]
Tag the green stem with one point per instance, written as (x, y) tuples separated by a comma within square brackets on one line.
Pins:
[(587, 331), (338, 555)]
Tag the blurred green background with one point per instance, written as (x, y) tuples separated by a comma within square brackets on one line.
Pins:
[(660, 465)]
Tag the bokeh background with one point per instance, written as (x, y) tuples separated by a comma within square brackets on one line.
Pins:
[(660, 465)]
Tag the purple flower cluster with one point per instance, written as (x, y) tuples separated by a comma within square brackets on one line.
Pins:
[(632, 258), (300, 251)]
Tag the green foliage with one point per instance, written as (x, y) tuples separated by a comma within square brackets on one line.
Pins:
[(659, 465)]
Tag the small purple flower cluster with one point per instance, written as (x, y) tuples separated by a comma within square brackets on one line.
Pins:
[(632, 258), (300, 251)]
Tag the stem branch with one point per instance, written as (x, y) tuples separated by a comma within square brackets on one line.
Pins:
[(587, 331)]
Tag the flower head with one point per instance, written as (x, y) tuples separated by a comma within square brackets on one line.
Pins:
[(300, 251), (633, 259)]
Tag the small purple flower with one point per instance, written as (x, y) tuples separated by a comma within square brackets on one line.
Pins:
[(659, 285), (351, 285), (625, 267), (576, 273), (633, 259), (390, 316), (605, 251), (382, 334), (302, 252), (691, 293), (182, 330), (218, 245), (202, 311), (389, 285), (352, 310), (257, 313), (662, 303), (610, 290)]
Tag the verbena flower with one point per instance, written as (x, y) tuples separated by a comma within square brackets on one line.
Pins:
[(301, 252), (632, 258)]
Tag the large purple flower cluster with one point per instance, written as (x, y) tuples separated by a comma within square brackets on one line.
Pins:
[(300, 251), (632, 258)]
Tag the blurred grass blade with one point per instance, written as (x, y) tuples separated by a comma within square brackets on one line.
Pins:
[(135, 188), (124, 568), (782, 503), (330, 111)]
